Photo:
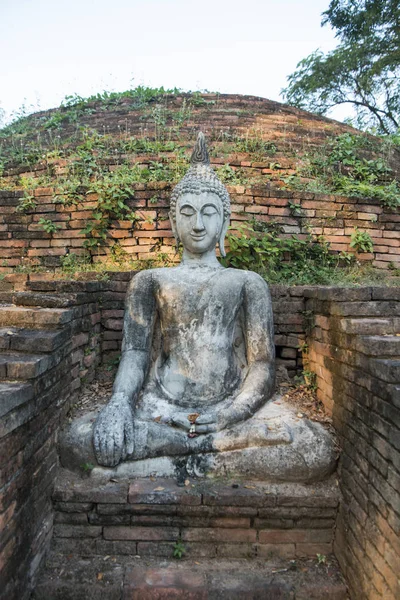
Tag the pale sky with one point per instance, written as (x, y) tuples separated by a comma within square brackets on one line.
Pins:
[(50, 49)]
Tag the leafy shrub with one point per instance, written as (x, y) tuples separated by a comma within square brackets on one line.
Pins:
[(342, 166), (361, 241), (259, 247)]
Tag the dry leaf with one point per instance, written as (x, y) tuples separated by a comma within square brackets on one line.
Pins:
[(157, 419), (158, 489), (100, 576), (249, 487), (187, 482)]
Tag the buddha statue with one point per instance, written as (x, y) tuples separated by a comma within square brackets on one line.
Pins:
[(195, 384)]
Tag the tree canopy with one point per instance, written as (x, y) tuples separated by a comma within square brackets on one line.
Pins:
[(364, 69)]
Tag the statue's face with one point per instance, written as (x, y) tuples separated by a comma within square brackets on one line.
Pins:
[(199, 220)]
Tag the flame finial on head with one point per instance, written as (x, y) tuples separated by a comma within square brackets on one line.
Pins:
[(200, 153)]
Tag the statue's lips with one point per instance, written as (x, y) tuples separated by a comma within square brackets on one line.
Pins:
[(198, 238)]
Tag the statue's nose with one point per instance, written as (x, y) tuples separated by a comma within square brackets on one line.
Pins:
[(199, 225)]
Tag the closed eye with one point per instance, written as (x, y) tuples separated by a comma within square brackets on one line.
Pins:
[(209, 210), (187, 211)]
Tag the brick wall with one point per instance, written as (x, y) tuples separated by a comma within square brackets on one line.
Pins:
[(24, 242), (46, 353), (147, 517), (354, 348)]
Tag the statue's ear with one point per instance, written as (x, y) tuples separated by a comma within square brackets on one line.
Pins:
[(174, 229), (222, 235)]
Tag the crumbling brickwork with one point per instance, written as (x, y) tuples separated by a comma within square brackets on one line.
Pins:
[(354, 349), (24, 242)]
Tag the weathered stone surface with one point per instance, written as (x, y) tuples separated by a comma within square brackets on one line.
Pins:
[(70, 487), (380, 346), (31, 341), (310, 456), (24, 366), (46, 318), (13, 395), (162, 491)]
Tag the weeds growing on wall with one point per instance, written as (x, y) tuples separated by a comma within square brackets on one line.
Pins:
[(343, 166), (260, 247)]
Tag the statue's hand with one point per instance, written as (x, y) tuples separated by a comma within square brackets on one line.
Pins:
[(180, 419), (113, 432), (213, 421), (204, 423), (238, 409)]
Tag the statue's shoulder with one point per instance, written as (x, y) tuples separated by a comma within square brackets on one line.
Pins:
[(249, 278), (150, 277)]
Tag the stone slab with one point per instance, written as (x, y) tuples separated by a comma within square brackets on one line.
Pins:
[(144, 578)]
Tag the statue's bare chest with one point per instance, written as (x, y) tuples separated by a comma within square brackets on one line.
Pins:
[(210, 300)]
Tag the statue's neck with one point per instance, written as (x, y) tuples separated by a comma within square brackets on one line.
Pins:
[(208, 259)]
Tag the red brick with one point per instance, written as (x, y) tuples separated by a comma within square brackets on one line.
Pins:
[(275, 211)]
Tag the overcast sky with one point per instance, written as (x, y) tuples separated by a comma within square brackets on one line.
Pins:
[(50, 49)]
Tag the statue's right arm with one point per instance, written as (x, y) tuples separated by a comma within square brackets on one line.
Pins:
[(140, 311), (113, 431)]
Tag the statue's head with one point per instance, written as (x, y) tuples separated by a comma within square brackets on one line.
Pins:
[(200, 205)]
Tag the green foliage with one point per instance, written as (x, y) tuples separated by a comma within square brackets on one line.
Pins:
[(47, 225), (71, 262), (253, 143), (362, 71), (310, 380), (87, 467), (231, 176), (179, 549), (361, 241), (26, 204), (341, 165), (260, 247)]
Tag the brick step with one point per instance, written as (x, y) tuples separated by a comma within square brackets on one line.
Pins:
[(378, 345), (34, 318), (212, 519), (134, 578), (21, 366), (371, 326), (385, 368), (14, 394), (38, 299), (31, 340)]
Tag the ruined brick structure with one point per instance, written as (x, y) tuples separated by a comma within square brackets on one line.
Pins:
[(55, 333), (23, 241), (223, 119)]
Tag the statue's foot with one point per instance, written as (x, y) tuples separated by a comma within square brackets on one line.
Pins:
[(311, 456)]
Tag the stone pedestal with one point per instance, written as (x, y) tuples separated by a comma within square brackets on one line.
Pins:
[(147, 517)]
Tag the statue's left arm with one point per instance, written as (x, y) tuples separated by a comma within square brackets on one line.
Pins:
[(259, 383)]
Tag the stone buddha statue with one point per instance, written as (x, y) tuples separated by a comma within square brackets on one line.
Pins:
[(194, 387)]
